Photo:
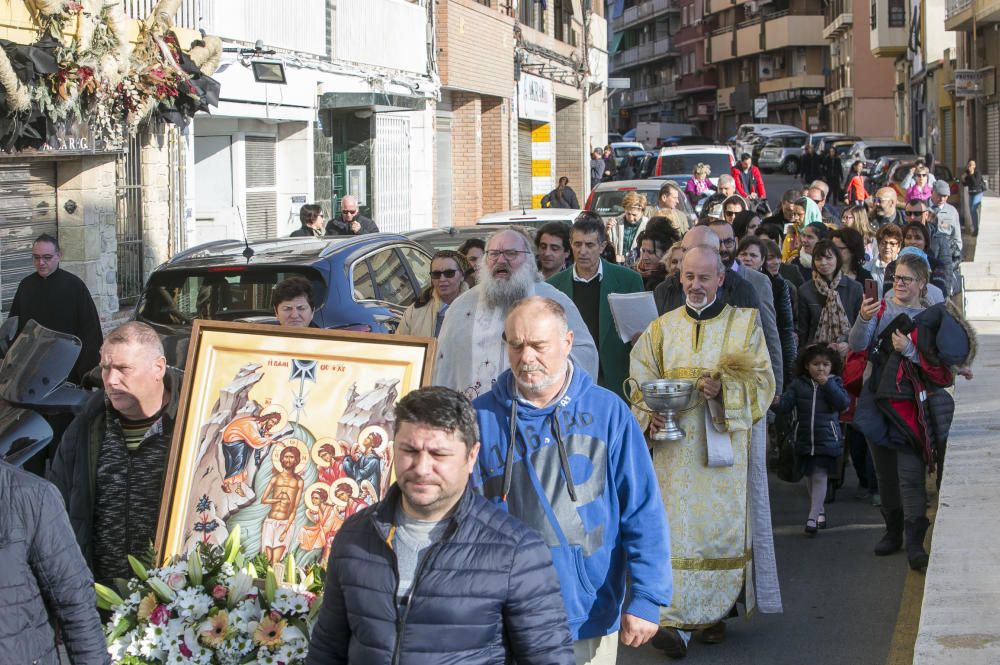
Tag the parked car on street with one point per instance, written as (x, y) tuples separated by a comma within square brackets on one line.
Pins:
[(637, 165), (681, 160), (532, 217), (359, 282), (782, 152), (621, 149), (821, 140), (741, 142), (869, 151), (606, 199)]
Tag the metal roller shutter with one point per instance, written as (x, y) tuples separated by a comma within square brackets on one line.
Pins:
[(27, 209), (993, 146), (947, 144), (262, 199), (524, 162)]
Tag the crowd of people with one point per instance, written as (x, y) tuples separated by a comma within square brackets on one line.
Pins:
[(537, 413)]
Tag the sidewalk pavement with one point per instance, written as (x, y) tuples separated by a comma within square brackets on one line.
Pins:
[(958, 621), (982, 276)]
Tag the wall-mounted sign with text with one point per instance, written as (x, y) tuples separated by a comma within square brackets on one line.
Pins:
[(534, 98)]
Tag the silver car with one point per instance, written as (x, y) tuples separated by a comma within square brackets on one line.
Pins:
[(782, 152)]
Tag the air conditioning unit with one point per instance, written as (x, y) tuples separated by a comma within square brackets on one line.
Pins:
[(765, 68), (835, 50)]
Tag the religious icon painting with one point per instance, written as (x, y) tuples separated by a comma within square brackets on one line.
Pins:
[(285, 432)]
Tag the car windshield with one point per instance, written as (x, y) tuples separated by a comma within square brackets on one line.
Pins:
[(875, 152), (902, 169), (219, 293), (843, 149), (684, 163), (608, 203)]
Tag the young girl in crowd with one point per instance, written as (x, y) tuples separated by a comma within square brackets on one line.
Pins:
[(817, 395)]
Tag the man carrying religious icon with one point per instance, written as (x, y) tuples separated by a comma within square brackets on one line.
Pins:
[(241, 436), (709, 480)]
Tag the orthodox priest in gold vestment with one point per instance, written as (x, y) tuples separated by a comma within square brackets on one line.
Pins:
[(706, 478)]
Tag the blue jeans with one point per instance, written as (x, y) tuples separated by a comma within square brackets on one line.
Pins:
[(975, 203)]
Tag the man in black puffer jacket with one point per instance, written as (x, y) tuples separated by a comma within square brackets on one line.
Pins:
[(435, 573), (41, 567)]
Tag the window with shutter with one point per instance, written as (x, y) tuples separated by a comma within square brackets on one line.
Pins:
[(261, 195)]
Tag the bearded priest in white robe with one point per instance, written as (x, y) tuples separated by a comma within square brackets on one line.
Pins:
[(471, 352), (714, 488)]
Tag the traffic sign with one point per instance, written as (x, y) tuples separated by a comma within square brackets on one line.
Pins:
[(760, 108)]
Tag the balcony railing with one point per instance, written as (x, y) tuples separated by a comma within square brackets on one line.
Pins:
[(643, 53), (645, 11), (954, 7), (648, 95)]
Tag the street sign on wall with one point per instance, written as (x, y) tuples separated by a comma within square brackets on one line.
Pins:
[(760, 108), (534, 98)]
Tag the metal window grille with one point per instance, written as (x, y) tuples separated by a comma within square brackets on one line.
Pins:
[(129, 222), (392, 173)]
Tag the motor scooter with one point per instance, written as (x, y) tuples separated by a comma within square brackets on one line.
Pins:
[(33, 384)]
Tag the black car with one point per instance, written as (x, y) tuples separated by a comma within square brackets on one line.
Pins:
[(359, 282), (637, 165)]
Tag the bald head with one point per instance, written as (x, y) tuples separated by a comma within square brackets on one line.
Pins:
[(700, 236), (886, 203), (702, 273)]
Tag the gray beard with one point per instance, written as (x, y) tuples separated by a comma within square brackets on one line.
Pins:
[(503, 294)]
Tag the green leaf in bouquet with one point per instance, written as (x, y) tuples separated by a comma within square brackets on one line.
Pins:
[(121, 586), (195, 572), (301, 624), (232, 546), (314, 610), (138, 568), (162, 591), (270, 586), (106, 597), (290, 569), (124, 625)]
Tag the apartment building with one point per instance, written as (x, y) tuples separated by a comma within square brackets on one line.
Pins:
[(523, 99), (973, 85), (908, 33), (860, 87), (695, 80), (773, 50), (643, 50)]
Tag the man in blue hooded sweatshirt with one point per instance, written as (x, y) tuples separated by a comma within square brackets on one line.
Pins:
[(568, 458)]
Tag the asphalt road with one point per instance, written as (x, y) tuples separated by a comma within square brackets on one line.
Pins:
[(840, 601)]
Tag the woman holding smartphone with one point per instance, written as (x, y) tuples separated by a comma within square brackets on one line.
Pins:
[(901, 470)]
